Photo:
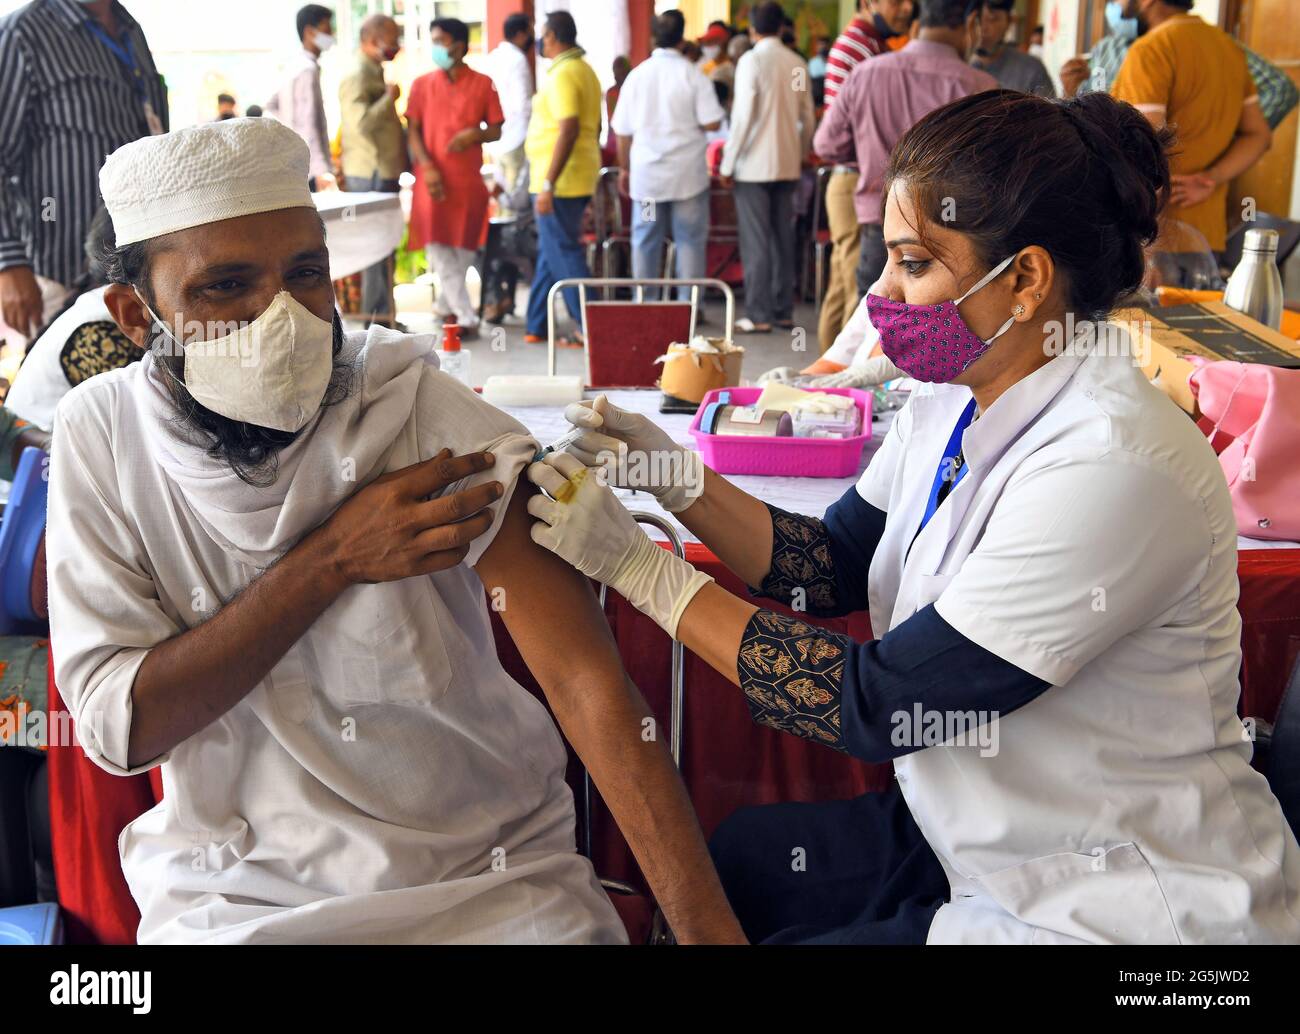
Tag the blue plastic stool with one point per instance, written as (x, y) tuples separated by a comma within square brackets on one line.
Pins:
[(31, 924), (20, 537)]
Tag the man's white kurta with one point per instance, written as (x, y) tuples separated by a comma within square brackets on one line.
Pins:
[(1092, 544), (388, 781)]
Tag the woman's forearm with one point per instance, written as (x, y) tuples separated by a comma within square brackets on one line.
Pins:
[(734, 525)]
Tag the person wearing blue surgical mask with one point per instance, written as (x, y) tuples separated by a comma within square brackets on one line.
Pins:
[(1278, 95), (451, 113)]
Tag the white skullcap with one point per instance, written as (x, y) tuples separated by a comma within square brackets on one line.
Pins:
[(203, 174)]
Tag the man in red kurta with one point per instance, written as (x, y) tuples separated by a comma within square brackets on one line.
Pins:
[(452, 112)]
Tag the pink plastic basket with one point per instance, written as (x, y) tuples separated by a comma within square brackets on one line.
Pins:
[(782, 457)]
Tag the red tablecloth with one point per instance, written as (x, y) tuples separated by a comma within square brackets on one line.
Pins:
[(726, 759)]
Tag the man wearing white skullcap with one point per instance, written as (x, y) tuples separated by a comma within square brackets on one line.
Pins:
[(268, 547)]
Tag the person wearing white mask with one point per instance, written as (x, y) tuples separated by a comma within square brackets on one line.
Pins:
[(269, 544), (1047, 549), (299, 103)]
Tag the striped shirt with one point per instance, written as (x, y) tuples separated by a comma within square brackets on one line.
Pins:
[(68, 101), (855, 44)]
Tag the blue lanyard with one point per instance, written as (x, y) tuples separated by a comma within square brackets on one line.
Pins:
[(121, 51), (945, 475)]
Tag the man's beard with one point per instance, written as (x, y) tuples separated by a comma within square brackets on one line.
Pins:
[(250, 450)]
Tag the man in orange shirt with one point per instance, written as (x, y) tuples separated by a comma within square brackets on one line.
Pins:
[(452, 112), (1193, 78)]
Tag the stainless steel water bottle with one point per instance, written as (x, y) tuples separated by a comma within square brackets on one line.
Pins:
[(1255, 286)]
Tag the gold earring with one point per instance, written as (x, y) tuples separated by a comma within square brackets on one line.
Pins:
[(1018, 311), (1038, 297)]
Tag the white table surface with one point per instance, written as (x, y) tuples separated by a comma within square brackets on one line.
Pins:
[(810, 496), (361, 228)]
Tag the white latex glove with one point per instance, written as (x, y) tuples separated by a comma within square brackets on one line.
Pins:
[(875, 370), (584, 523), (635, 452), (779, 374)]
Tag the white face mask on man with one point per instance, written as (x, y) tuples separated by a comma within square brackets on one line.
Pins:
[(272, 372), (323, 41)]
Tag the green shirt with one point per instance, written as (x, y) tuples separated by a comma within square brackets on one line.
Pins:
[(373, 138)]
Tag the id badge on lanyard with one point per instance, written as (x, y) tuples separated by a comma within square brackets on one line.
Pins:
[(152, 120), (122, 51)]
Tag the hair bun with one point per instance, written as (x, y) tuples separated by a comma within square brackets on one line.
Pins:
[(1132, 151)]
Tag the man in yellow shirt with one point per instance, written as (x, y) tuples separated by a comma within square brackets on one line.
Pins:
[(1192, 77), (563, 152)]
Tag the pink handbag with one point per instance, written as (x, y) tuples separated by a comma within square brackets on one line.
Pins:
[(1258, 408)]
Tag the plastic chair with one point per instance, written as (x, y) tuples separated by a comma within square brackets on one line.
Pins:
[(659, 931), (31, 924), (1181, 257), (21, 532), (724, 236), (625, 337)]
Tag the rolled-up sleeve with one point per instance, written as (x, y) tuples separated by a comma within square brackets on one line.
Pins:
[(451, 416), (105, 615)]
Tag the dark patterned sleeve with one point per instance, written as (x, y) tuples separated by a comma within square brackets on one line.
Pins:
[(863, 698), (820, 566), (95, 348)]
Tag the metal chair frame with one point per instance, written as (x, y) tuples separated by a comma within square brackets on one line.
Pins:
[(659, 931), (583, 284)]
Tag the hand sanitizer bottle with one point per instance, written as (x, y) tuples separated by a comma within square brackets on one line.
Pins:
[(452, 359)]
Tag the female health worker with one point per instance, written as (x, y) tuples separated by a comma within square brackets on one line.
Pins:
[(1047, 549)]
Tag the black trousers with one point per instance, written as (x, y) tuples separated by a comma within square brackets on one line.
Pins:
[(765, 222), (835, 872)]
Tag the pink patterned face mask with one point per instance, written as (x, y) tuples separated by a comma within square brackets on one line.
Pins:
[(931, 342)]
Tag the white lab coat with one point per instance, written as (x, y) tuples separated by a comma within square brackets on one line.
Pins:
[(1091, 543), (388, 782)]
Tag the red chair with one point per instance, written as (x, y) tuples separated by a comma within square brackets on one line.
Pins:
[(625, 337)]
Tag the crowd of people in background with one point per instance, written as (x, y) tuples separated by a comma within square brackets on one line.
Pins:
[(743, 114)]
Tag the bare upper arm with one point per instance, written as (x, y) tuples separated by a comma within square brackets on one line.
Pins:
[(549, 608), (1252, 121)]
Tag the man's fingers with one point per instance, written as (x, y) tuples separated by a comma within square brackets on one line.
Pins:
[(546, 477), (440, 560), (458, 506), (435, 474), (453, 536)]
